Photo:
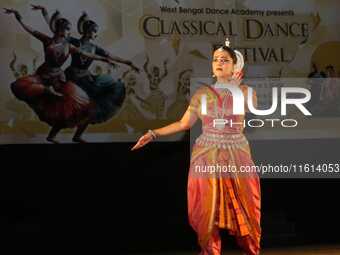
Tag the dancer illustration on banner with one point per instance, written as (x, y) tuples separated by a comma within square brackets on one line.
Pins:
[(156, 99), (106, 94), (219, 200), (132, 113), (178, 107), (21, 70), (56, 100), (15, 107)]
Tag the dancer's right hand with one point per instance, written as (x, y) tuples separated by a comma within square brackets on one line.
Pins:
[(37, 7), (13, 11), (237, 77), (144, 140)]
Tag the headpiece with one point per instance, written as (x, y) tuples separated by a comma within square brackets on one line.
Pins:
[(85, 24), (240, 60), (58, 21)]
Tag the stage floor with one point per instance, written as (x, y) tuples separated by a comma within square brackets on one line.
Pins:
[(301, 250)]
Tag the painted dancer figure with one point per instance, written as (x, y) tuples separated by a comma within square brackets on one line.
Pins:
[(106, 94), (132, 114), (178, 107), (156, 99), (56, 101), (20, 70), (218, 200)]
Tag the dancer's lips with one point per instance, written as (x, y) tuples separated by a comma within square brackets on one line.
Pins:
[(219, 69)]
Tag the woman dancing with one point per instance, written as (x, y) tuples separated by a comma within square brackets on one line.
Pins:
[(56, 101), (106, 93), (217, 202)]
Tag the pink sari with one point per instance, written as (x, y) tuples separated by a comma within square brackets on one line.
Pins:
[(229, 202)]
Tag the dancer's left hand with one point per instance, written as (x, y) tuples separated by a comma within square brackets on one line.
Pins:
[(238, 76)]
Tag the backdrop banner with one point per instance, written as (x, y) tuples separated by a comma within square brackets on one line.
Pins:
[(107, 71)]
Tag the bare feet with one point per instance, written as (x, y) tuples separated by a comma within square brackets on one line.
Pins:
[(78, 140), (52, 140)]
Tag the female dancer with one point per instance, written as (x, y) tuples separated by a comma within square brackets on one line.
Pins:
[(217, 202), (56, 101), (106, 94), (156, 99)]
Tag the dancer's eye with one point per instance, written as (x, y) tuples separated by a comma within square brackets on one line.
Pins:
[(222, 60)]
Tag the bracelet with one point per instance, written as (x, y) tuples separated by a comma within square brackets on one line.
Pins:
[(153, 134)]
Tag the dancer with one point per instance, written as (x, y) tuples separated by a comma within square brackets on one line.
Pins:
[(21, 70), (156, 99), (56, 101), (132, 114), (217, 201), (106, 93), (178, 107)]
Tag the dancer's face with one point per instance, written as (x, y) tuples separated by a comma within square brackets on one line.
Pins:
[(65, 31), (222, 64), (155, 71), (92, 34)]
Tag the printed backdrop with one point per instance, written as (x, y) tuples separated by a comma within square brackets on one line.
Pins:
[(174, 38)]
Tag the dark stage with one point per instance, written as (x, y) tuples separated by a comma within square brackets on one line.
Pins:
[(105, 196)]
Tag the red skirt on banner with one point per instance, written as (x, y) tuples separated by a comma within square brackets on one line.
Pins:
[(67, 111)]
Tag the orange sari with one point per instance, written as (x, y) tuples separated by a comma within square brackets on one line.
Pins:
[(231, 202)]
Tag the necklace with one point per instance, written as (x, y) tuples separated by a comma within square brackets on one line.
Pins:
[(219, 121)]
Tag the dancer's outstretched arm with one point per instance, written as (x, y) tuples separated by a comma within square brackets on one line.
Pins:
[(188, 120), (146, 67), (12, 66), (91, 55), (104, 53), (13, 62), (40, 36), (43, 10), (165, 65)]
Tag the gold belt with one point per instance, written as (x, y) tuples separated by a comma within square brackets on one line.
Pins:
[(222, 141)]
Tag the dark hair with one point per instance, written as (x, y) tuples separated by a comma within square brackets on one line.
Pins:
[(61, 24), (58, 23), (329, 67), (89, 26), (231, 52)]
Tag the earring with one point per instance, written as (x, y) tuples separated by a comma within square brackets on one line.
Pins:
[(213, 75)]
